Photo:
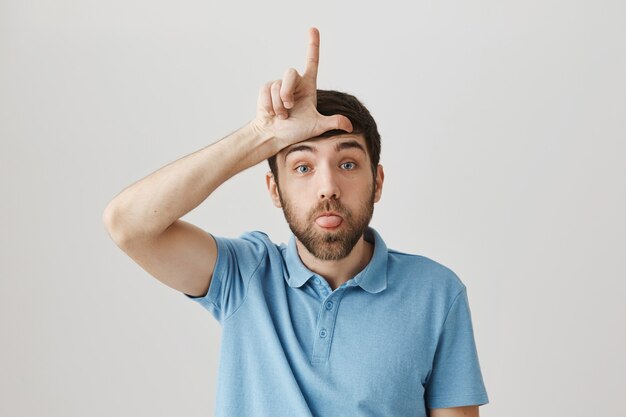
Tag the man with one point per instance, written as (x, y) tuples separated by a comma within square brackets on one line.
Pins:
[(334, 323)]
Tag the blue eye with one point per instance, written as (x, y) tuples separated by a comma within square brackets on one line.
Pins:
[(348, 165), (302, 169)]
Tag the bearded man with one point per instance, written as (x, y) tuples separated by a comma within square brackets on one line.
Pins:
[(333, 323)]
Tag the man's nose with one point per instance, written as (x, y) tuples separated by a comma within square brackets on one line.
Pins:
[(327, 184)]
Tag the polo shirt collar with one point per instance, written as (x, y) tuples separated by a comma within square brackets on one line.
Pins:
[(373, 278)]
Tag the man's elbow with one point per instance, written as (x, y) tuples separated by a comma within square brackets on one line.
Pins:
[(112, 225)]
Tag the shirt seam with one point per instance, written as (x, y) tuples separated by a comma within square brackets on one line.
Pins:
[(456, 395), (449, 309), (216, 276)]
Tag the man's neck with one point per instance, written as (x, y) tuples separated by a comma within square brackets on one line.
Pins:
[(338, 272)]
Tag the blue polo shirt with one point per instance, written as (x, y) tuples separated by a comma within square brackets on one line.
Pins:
[(394, 340)]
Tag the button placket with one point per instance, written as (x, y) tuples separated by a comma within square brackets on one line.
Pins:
[(321, 286), (325, 327)]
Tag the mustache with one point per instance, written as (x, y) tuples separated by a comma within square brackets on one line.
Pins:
[(329, 205)]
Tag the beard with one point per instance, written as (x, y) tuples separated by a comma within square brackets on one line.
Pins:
[(329, 246)]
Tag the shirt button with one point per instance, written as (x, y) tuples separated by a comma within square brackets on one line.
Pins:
[(323, 333), (329, 305), (317, 280)]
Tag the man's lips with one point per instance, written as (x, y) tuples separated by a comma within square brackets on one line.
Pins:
[(328, 220)]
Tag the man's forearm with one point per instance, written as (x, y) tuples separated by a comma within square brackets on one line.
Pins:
[(150, 205)]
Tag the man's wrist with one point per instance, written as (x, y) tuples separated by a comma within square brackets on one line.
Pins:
[(263, 138)]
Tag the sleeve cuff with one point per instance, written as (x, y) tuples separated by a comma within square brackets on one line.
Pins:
[(448, 401)]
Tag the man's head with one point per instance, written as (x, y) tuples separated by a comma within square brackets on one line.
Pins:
[(327, 185), (330, 102)]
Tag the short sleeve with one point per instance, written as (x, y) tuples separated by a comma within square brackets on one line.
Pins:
[(455, 379), (237, 260)]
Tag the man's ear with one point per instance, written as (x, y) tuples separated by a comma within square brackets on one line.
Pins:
[(378, 182), (272, 187)]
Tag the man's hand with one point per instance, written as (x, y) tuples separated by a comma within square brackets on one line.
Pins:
[(286, 109)]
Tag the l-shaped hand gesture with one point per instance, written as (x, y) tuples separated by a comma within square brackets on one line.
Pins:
[(286, 109)]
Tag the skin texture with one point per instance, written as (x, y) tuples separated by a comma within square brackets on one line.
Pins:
[(144, 220), (470, 411)]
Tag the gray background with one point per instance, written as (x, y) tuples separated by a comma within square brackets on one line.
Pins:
[(503, 127)]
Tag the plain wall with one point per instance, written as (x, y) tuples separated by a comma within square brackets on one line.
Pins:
[(503, 127)]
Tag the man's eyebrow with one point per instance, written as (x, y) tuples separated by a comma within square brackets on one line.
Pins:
[(352, 144), (300, 148)]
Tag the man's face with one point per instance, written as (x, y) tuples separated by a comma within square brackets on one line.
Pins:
[(327, 192)]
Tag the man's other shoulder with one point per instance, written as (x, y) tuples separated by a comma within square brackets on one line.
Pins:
[(424, 271)]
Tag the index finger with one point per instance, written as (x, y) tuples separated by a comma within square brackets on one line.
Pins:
[(312, 54)]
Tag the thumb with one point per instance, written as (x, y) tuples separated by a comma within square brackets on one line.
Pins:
[(336, 121)]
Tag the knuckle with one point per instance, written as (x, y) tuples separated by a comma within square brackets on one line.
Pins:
[(285, 95)]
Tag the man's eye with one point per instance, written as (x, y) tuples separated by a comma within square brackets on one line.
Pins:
[(302, 169), (348, 165)]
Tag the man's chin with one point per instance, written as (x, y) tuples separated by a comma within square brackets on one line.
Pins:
[(329, 247), (330, 256)]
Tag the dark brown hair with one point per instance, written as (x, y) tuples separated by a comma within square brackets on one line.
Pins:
[(330, 102)]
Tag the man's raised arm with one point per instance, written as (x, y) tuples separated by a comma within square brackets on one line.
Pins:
[(144, 218)]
